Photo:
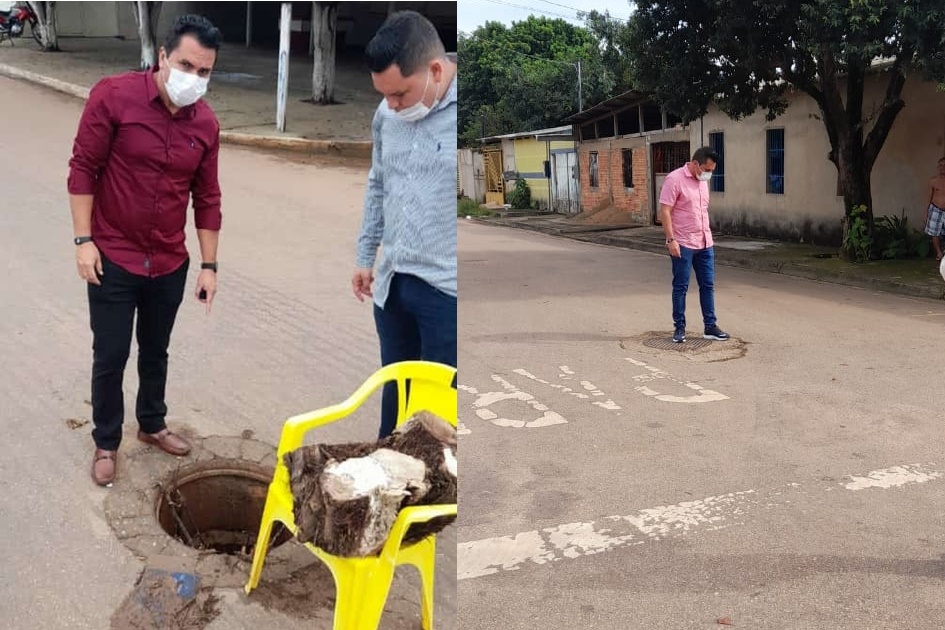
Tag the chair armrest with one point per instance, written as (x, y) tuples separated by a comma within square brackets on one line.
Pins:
[(410, 516)]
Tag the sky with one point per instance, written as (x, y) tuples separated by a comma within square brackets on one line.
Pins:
[(473, 13)]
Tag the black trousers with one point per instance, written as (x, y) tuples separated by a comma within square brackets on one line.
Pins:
[(112, 308), (418, 322)]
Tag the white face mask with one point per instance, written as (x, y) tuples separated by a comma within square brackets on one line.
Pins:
[(184, 88), (705, 176), (418, 111)]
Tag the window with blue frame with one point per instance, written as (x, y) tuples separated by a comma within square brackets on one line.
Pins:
[(717, 144), (775, 161)]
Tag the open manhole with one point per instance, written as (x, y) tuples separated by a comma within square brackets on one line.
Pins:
[(666, 343), (216, 506)]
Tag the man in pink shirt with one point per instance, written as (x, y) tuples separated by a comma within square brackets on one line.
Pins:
[(684, 211)]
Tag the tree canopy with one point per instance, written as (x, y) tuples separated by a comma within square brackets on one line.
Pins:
[(524, 76), (744, 55)]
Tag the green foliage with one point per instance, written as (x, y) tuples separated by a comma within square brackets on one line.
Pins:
[(858, 241), (524, 77), (521, 196), (921, 244), (894, 239), (466, 207), (745, 56)]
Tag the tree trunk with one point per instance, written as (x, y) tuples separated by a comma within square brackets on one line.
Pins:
[(853, 154), (857, 192), (147, 15), (46, 22), (324, 28)]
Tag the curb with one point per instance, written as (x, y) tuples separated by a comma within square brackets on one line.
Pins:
[(340, 148), (60, 86), (734, 259)]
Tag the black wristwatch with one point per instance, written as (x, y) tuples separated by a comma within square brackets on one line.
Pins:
[(211, 266), (78, 240)]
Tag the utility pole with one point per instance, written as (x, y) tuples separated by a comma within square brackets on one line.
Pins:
[(580, 88)]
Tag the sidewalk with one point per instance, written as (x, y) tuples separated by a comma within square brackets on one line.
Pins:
[(916, 278), (242, 91)]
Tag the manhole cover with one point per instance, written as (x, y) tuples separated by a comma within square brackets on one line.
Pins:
[(217, 506), (666, 343)]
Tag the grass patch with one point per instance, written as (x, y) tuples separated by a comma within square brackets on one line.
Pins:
[(468, 207)]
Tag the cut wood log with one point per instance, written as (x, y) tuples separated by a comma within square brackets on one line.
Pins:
[(431, 439), (347, 496)]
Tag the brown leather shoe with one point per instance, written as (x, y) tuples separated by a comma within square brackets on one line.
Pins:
[(103, 466), (166, 441)]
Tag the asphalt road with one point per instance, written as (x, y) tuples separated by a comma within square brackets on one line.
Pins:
[(285, 336), (793, 477)]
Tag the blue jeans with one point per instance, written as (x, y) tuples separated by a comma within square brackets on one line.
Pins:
[(703, 261), (418, 322)]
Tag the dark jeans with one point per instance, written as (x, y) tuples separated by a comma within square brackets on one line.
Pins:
[(112, 309), (703, 262), (418, 322)]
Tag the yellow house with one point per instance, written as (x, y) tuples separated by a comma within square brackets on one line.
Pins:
[(546, 159)]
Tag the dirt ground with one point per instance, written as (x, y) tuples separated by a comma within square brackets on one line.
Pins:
[(242, 90)]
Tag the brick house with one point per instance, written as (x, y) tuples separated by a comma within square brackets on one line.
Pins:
[(626, 146)]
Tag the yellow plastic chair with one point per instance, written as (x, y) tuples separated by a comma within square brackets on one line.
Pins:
[(362, 584)]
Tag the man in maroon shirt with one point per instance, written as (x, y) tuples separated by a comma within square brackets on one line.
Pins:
[(146, 144)]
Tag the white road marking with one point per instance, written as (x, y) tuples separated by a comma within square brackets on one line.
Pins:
[(511, 393), (549, 417), (587, 385), (654, 374), (479, 558), (892, 477)]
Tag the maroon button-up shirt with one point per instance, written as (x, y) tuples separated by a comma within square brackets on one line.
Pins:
[(142, 165)]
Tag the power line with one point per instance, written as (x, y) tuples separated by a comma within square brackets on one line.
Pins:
[(585, 11), (519, 6)]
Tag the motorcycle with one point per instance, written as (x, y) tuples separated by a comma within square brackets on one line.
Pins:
[(14, 16)]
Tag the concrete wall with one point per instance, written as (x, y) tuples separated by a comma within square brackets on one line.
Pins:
[(112, 19), (471, 174), (810, 209), (636, 202), (357, 21)]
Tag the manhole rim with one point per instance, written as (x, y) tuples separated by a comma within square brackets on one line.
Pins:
[(209, 469), (130, 511)]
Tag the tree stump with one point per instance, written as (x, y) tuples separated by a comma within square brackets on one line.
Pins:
[(347, 496)]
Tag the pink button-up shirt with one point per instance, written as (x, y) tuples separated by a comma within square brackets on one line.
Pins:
[(689, 199)]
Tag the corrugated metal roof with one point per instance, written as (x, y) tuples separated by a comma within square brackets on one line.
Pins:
[(627, 99), (552, 133)]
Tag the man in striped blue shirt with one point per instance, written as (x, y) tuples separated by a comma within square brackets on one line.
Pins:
[(409, 208)]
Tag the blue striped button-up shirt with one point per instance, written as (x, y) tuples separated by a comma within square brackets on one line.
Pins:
[(409, 208)]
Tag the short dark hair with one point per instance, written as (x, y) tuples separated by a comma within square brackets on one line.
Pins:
[(703, 154), (407, 39), (199, 27)]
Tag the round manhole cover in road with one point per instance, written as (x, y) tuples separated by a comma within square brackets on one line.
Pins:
[(695, 348), (666, 343)]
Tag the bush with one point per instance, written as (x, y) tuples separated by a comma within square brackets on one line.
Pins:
[(894, 239), (857, 240), (521, 197), (467, 207)]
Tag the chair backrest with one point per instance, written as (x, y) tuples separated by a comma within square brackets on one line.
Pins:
[(431, 389)]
